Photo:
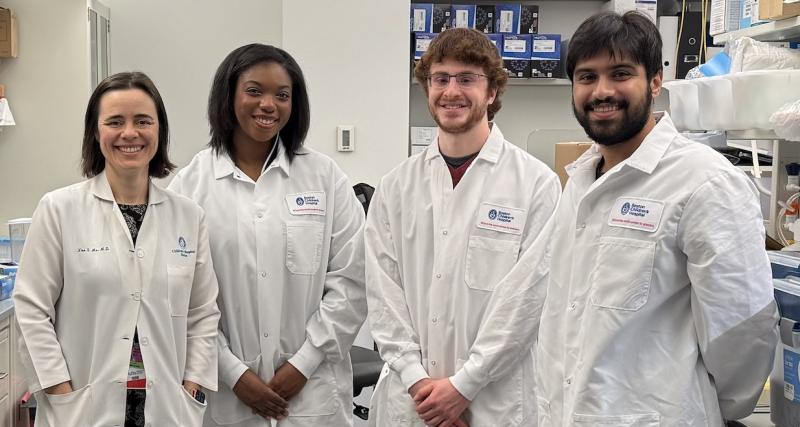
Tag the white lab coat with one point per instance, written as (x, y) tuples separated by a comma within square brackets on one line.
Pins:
[(82, 290), (288, 253), (455, 292), (660, 306)]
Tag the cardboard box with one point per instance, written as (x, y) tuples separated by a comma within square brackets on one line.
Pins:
[(441, 17), (484, 18), (546, 56), (463, 16), (750, 12), (497, 39), (777, 9), (8, 33), (422, 41), (506, 18), (517, 55), (725, 16), (566, 153), (421, 17), (529, 19)]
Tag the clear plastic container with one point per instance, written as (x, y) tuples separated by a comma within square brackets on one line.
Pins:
[(716, 107), (17, 230), (758, 94), (5, 249), (684, 105)]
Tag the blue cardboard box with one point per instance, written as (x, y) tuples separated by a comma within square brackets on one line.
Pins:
[(546, 56), (517, 55), (497, 39), (421, 17), (463, 16), (506, 18), (421, 43), (484, 18)]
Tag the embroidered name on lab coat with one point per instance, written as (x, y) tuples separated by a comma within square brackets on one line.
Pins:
[(500, 218), (310, 203), (636, 214)]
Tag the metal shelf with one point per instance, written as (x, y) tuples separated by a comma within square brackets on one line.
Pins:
[(784, 30), (765, 169), (751, 134)]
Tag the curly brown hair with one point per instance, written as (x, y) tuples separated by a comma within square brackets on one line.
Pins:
[(470, 47)]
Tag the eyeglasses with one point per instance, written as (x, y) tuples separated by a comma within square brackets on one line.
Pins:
[(463, 80)]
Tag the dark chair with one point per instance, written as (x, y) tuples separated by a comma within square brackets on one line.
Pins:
[(367, 364)]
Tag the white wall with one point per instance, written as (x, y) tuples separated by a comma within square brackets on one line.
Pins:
[(179, 44), (47, 87), (354, 54)]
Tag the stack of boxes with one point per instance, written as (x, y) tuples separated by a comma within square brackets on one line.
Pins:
[(514, 28)]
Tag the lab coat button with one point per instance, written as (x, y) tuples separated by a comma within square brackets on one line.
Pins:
[(150, 384), (438, 276), (435, 319), (140, 253), (433, 363), (266, 334), (263, 274), (444, 232), (572, 306), (137, 296), (260, 215), (581, 226), (144, 341), (568, 381)]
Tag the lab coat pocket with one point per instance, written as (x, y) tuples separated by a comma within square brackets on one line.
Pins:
[(318, 396), (194, 409), (304, 246), (179, 289), (226, 408), (637, 420), (622, 273), (71, 409), (488, 261)]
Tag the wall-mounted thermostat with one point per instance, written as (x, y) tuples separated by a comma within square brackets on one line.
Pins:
[(345, 137)]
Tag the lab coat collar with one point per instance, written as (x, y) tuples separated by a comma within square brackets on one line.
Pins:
[(100, 187), (490, 151), (645, 158), (224, 166)]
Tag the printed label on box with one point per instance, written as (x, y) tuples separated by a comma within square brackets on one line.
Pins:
[(462, 19), (419, 20), (514, 46), (791, 362), (506, 21), (423, 44), (542, 46)]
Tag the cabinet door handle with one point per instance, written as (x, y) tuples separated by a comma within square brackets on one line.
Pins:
[(3, 375)]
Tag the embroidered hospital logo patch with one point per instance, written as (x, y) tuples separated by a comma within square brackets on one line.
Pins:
[(310, 203), (636, 214), (500, 218), (182, 242), (181, 250)]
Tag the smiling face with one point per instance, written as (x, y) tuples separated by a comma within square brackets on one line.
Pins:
[(263, 103), (612, 98), (458, 109), (127, 130)]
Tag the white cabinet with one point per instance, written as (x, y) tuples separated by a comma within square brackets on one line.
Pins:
[(12, 378)]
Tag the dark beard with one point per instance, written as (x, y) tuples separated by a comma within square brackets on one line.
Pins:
[(633, 121), (473, 120)]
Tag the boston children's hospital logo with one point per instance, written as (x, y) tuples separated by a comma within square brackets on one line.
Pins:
[(634, 209), (493, 214), (300, 201), (182, 251)]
